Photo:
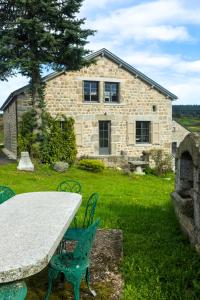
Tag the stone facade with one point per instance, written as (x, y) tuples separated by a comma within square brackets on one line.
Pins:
[(178, 134), (11, 117), (64, 94), (10, 127), (138, 101)]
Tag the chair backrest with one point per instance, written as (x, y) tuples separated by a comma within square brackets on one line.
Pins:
[(70, 185), (90, 210), (84, 245), (5, 193)]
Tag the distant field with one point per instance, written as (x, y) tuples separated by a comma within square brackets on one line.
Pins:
[(1, 129), (193, 124)]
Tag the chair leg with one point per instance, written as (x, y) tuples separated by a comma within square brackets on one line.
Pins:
[(77, 290), (52, 274), (87, 277)]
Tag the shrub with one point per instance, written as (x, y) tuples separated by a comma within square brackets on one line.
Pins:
[(93, 165), (55, 144), (162, 161), (26, 137), (149, 171), (59, 143)]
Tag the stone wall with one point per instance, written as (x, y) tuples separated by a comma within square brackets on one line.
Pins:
[(186, 197), (178, 132), (24, 104), (64, 94), (10, 129), (138, 102), (12, 116)]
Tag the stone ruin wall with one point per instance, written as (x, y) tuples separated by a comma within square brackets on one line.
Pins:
[(186, 197)]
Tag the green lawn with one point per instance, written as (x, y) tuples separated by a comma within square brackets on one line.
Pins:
[(158, 261), (193, 124)]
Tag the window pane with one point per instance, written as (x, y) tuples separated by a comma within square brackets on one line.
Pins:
[(107, 96), (87, 84), (91, 91), (142, 132), (114, 97), (114, 87), (107, 87), (111, 92), (94, 97), (94, 85)]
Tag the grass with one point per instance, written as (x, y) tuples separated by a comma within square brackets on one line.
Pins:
[(193, 124), (159, 263)]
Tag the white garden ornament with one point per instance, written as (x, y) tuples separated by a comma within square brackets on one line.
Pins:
[(25, 163)]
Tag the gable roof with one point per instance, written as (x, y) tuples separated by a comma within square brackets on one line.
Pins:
[(114, 58)]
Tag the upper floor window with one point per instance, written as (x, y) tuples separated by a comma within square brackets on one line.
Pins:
[(111, 92), (91, 91), (154, 108), (62, 125), (143, 132)]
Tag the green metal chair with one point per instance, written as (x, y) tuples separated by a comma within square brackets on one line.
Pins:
[(70, 185), (5, 193), (74, 233), (74, 266), (13, 291)]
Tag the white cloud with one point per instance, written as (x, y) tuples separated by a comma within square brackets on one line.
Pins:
[(156, 20), (164, 33), (162, 61), (7, 87), (189, 66), (150, 60), (180, 76), (90, 5), (188, 91)]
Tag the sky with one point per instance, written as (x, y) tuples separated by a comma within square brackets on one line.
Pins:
[(160, 38)]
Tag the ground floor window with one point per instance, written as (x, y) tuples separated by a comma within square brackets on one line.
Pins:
[(62, 125), (143, 132), (104, 137), (174, 147)]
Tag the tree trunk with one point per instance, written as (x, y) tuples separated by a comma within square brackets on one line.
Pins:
[(37, 93)]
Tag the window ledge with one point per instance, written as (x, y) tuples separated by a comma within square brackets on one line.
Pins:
[(104, 103), (113, 103), (91, 103), (143, 145)]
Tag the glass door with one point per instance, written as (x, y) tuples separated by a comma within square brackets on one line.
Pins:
[(104, 137)]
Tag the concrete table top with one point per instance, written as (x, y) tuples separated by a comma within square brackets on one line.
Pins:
[(138, 162), (31, 228)]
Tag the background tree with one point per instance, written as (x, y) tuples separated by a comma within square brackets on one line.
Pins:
[(38, 33)]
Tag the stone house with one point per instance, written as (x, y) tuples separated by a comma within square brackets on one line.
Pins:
[(117, 109), (179, 132)]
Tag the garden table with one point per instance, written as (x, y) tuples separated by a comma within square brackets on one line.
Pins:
[(31, 228), (138, 165)]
